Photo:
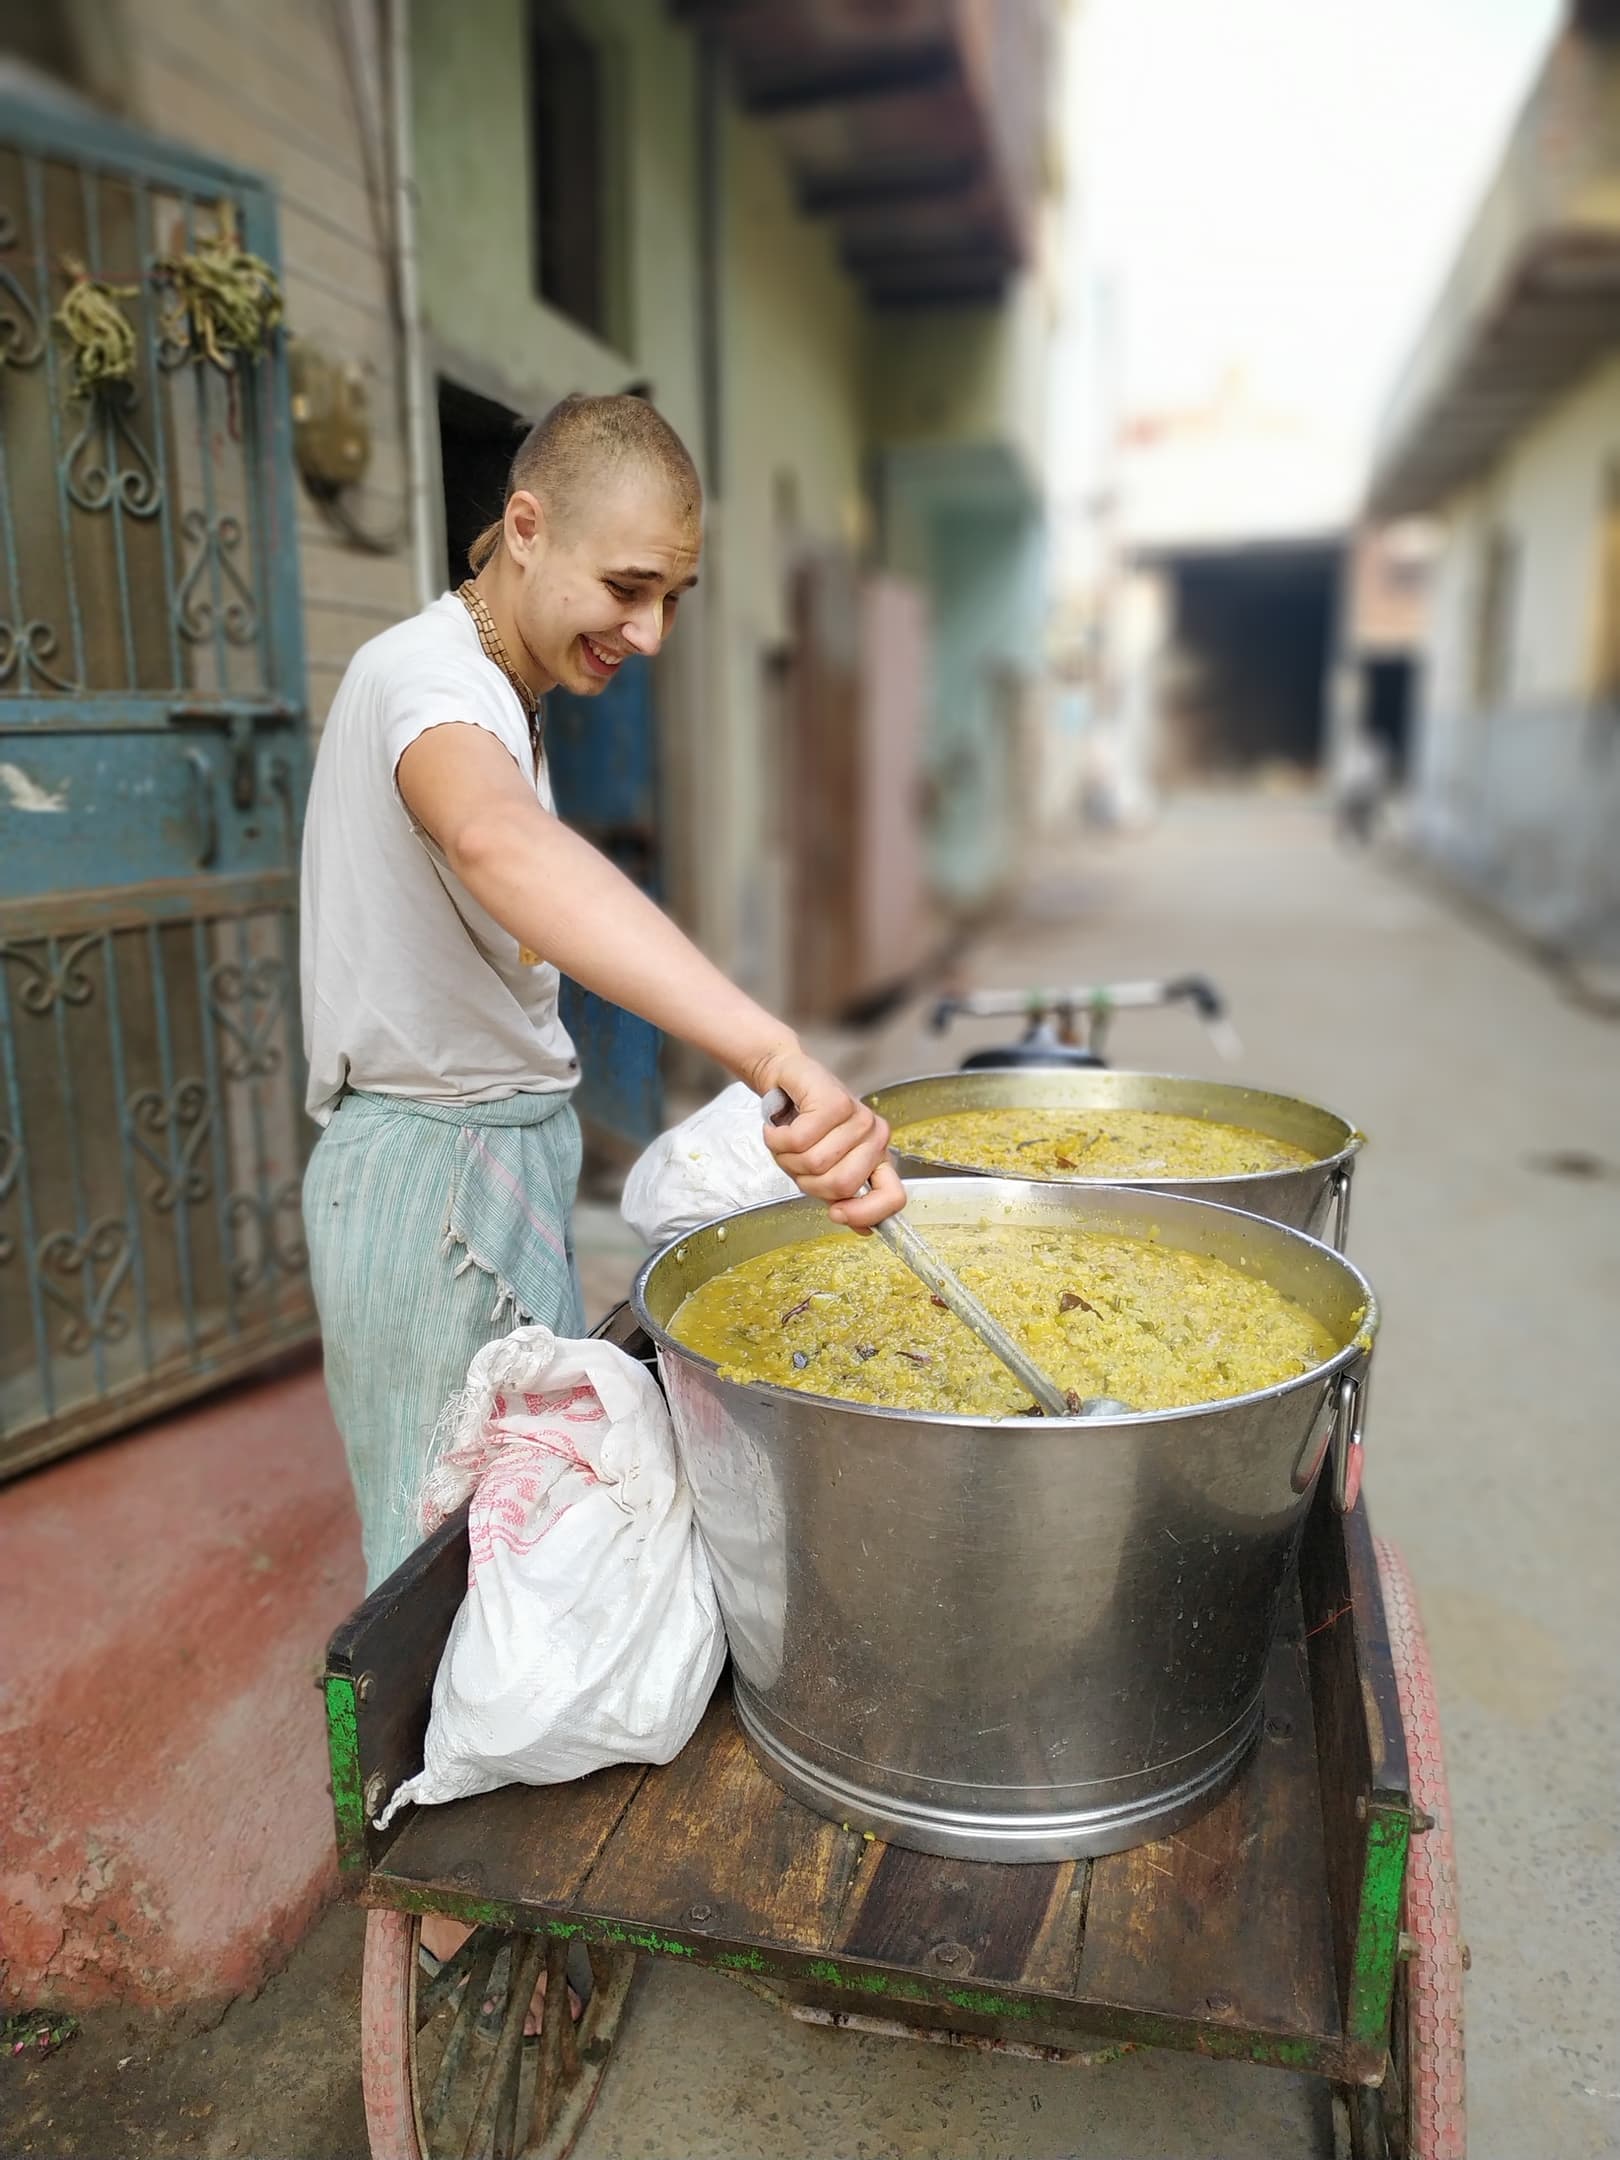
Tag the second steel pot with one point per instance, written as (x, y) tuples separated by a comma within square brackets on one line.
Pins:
[(1314, 1197)]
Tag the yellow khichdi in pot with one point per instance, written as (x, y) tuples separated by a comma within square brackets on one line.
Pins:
[(1103, 1314), (1101, 1143)]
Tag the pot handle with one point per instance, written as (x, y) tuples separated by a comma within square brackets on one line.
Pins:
[(1339, 1192), (1339, 1432), (1317, 1441), (1348, 1450)]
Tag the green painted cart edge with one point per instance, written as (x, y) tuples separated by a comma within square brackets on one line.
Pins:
[(343, 1753), (1383, 1884)]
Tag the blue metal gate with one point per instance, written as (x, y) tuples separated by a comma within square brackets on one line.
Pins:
[(153, 766), (602, 755)]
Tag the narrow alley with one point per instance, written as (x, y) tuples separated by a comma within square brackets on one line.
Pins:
[(1485, 1212)]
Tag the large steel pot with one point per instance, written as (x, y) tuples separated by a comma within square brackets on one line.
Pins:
[(1028, 1639), (1314, 1198)]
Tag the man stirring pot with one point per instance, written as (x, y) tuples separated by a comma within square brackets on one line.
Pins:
[(440, 898)]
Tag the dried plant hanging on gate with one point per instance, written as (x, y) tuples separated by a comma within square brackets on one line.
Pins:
[(226, 302), (101, 334)]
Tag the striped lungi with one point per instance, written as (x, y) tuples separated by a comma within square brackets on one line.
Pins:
[(433, 1228)]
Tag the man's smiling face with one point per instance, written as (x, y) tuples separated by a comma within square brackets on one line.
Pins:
[(606, 581)]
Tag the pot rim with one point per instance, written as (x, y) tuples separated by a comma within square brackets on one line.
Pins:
[(1359, 1347), (1355, 1141)]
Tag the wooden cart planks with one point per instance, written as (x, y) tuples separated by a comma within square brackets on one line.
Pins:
[(1267, 1929)]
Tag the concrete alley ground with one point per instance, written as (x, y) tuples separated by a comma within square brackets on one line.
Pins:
[(1487, 1212)]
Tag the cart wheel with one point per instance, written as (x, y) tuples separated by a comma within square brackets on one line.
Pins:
[(445, 2066), (1436, 2102), (1420, 2111)]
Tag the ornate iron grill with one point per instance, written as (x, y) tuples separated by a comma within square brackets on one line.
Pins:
[(153, 763)]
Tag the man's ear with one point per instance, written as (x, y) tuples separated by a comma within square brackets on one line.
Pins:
[(525, 523)]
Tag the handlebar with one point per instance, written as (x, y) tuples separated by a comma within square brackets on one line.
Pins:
[(1092, 1004)]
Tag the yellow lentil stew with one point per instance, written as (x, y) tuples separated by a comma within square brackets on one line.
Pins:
[(1105, 1315), (1101, 1144)]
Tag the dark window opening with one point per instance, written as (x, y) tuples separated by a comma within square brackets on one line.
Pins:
[(570, 132)]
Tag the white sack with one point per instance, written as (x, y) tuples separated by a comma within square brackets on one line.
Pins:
[(710, 1164), (589, 1634)]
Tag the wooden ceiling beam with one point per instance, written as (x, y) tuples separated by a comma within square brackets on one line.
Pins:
[(772, 90)]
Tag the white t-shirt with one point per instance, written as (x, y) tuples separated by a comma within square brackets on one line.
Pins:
[(409, 987)]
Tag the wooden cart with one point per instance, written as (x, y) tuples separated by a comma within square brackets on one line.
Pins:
[(1308, 1921)]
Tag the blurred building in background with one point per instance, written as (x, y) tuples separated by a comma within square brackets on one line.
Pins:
[(1217, 544), (1505, 428), (815, 234)]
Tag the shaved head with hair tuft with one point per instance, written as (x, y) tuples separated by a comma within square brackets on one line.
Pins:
[(580, 447)]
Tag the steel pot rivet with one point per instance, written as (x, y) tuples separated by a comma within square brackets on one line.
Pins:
[(1220, 2004), (701, 1915), (376, 1792), (364, 1685), (1279, 1728), (954, 1956)]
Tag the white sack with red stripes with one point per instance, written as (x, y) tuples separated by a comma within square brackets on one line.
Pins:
[(589, 1634)]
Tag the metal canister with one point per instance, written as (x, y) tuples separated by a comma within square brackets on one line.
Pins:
[(1015, 1639)]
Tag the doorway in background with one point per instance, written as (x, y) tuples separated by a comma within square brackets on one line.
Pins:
[(1388, 707)]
